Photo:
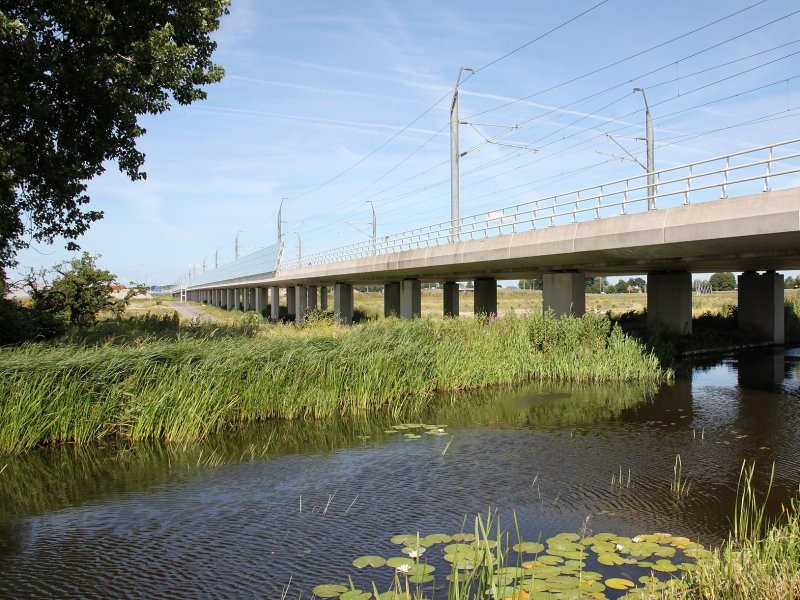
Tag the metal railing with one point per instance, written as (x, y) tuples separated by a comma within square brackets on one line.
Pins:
[(748, 171), (261, 261)]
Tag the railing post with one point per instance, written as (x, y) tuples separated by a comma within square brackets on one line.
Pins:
[(688, 187), (577, 204), (599, 204), (625, 195), (769, 171), (725, 179)]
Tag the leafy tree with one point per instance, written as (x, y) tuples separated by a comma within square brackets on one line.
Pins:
[(75, 78), (722, 282), (621, 287), (80, 291)]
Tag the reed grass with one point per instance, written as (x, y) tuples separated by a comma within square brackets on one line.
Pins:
[(187, 387), (761, 558)]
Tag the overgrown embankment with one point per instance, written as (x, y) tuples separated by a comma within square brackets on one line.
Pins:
[(189, 387)]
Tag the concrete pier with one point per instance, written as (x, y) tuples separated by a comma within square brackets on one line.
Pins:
[(291, 303), (260, 297), (301, 304), (450, 299), (323, 298), (485, 296), (391, 299), (343, 303), (275, 303), (312, 297), (229, 299), (246, 299), (669, 302), (410, 299), (564, 293), (761, 305)]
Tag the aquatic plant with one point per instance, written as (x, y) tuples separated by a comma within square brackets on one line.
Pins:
[(680, 484), (485, 564), (191, 387), (761, 559)]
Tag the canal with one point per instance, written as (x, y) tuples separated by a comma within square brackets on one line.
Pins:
[(285, 506)]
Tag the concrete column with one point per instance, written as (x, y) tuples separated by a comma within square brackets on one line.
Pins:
[(669, 302), (323, 298), (312, 297), (301, 304), (343, 303), (761, 305), (216, 298), (564, 293), (275, 303), (260, 304), (246, 299), (391, 299), (410, 299), (291, 303), (230, 296), (486, 296), (450, 293)]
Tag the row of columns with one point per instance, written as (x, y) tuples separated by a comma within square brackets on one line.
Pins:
[(299, 300), (669, 300)]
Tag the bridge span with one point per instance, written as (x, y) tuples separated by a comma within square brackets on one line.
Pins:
[(736, 212)]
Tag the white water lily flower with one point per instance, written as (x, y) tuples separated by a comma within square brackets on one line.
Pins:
[(637, 539), (440, 430), (404, 568), (620, 547), (413, 554)]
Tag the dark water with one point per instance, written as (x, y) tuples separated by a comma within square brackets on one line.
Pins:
[(248, 513)]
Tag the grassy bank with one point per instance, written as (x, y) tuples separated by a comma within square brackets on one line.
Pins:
[(180, 386)]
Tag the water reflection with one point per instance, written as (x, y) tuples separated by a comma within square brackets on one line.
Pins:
[(243, 513)]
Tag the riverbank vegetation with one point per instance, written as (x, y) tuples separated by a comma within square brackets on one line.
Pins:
[(181, 383), (760, 559)]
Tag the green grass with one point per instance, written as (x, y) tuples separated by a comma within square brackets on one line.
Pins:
[(181, 386), (761, 558)]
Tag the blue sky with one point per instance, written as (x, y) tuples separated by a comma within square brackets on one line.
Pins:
[(333, 104)]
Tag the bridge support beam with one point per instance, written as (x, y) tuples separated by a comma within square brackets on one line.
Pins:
[(312, 297), (275, 303), (669, 302), (343, 303), (260, 304), (564, 293), (391, 299), (301, 304), (761, 305), (410, 299), (291, 303), (485, 296), (323, 298), (450, 299), (246, 299), (229, 298)]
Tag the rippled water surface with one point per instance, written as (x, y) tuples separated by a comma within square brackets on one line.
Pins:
[(246, 514)]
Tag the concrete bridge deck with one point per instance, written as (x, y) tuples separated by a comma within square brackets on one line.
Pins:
[(563, 239)]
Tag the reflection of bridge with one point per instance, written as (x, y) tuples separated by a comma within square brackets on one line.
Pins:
[(605, 230)]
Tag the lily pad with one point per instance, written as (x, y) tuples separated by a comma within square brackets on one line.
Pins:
[(355, 595), (369, 561), (406, 539), (618, 583), (329, 590), (528, 547), (610, 559), (435, 538), (398, 561)]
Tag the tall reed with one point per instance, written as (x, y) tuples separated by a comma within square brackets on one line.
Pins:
[(188, 387)]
